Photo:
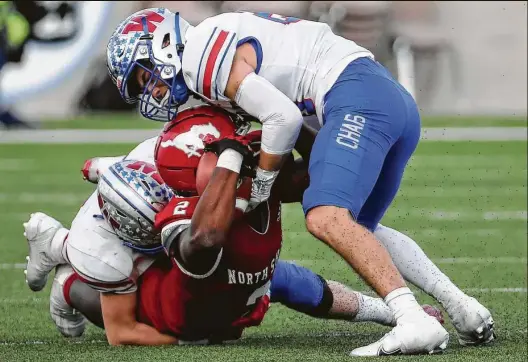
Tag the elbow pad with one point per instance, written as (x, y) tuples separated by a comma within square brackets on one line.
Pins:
[(281, 119)]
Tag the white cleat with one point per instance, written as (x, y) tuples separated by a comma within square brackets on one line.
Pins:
[(425, 336), (473, 322), (39, 232), (68, 321)]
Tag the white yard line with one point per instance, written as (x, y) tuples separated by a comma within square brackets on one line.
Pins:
[(438, 232), (56, 198), (432, 214), (458, 191), (475, 134), (138, 135), (445, 261), (496, 290), (16, 164), (11, 266)]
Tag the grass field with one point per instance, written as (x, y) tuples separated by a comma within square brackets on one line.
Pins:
[(464, 202)]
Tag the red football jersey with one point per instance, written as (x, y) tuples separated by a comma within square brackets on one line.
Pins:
[(194, 307)]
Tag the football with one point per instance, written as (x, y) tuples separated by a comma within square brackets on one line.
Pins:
[(204, 172)]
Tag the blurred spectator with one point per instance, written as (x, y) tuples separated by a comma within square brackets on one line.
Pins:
[(297, 9), (14, 32), (18, 23), (192, 11), (364, 22)]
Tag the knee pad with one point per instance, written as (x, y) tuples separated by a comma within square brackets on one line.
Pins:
[(301, 289)]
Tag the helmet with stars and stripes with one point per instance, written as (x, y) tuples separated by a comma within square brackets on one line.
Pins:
[(130, 194), (151, 40)]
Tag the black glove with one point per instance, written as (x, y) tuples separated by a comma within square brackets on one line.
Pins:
[(238, 143)]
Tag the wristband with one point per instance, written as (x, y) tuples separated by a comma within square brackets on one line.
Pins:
[(230, 159)]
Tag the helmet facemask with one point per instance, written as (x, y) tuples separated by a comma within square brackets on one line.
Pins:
[(163, 70)]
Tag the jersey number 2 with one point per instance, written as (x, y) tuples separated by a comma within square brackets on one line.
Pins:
[(181, 208), (285, 20)]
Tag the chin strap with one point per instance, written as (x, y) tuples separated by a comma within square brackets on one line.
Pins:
[(147, 251), (179, 42)]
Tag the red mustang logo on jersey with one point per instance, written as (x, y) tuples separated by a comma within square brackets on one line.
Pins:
[(135, 24)]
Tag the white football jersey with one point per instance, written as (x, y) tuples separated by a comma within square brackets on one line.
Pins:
[(301, 58), (96, 253)]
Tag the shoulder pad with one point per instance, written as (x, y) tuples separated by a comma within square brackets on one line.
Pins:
[(99, 257), (144, 151), (207, 60)]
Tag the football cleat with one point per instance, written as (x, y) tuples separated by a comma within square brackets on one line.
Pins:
[(472, 321), (68, 321), (39, 232), (422, 336)]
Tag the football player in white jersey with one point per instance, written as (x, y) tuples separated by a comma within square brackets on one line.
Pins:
[(276, 69), (103, 262)]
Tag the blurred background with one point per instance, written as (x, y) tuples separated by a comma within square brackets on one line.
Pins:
[(456, 58)]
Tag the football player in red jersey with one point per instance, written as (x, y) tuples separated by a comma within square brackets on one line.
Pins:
[(237, 285)]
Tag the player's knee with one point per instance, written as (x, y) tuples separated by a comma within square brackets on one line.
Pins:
[(318, 221), (322, 221)]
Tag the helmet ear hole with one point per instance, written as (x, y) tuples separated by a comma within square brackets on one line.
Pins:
[(166, 41), (120, 213), (147, 186)]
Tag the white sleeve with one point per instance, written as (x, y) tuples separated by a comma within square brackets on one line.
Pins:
[(98, 256), (281, 119), (144, 151)]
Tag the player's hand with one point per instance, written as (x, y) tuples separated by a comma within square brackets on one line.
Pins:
[(94, 167), (240, 144), (261, 187), (256, 316), (90, 171)]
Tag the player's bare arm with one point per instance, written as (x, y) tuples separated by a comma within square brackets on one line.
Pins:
[(199, 245), (280, 123), (122, 328), (244, 64)]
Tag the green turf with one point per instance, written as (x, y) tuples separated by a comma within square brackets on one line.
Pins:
[(132, 120), (454, 200)]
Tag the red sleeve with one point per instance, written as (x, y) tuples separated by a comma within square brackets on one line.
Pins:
[(178, 209)]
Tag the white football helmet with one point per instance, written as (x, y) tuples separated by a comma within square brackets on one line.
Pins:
[(130, 194), (152, 39)]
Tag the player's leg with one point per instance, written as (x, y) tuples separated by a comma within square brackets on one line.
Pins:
[(72, 302), (68, 321), (304, 291), (473, 322), (365, 115), (46, 239)]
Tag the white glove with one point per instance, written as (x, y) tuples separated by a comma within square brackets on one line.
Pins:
[(261, 187)]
